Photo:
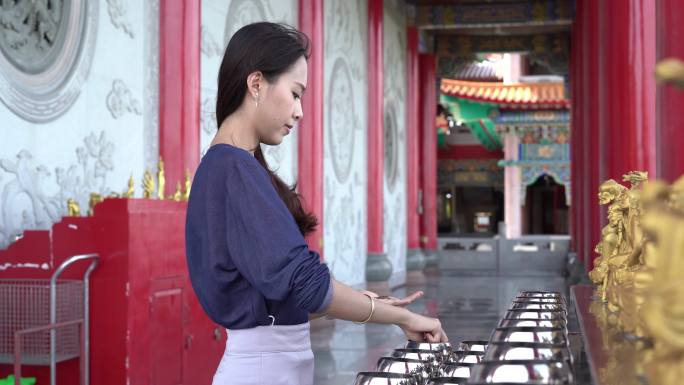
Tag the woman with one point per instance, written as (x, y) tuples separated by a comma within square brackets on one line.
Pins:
[(249, 264)]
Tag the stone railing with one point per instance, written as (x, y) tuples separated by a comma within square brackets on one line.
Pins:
[(533, 253)]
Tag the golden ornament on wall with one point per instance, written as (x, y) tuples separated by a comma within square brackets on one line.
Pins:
[(155, 187), (73, 209), (188, 185), (95, 198), (178, 195), (148, 185), (161, 179), (130, 192)]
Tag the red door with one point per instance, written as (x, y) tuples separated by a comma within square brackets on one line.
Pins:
[(205, 342), (166, 332)]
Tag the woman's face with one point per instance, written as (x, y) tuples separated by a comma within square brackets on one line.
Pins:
[(280, 105)]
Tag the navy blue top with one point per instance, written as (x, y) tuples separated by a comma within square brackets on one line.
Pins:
[(246, 256)]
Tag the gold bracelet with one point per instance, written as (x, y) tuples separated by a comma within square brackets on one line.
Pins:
[(371, 312)]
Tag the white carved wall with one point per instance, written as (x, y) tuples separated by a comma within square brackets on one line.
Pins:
[(345, 124), (395, 136), (220, 20), (98, 130), (109, 130)]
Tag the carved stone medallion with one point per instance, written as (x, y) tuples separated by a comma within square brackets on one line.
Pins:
[(341, 119), (46, 50)]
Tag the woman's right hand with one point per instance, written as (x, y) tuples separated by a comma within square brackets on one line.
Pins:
[(421, 328)]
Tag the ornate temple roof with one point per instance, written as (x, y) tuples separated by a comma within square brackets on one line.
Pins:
[(520, 95), (481, 72)]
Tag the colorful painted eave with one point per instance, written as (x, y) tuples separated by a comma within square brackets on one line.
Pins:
[(520, 95)]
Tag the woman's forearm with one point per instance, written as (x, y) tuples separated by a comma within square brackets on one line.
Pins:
[(349, 304)]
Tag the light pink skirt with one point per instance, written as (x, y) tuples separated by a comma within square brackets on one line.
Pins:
[(267, 355)]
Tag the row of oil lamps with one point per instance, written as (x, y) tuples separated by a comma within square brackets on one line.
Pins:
[(530, 345)]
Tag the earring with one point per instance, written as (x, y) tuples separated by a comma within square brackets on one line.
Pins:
[(256, 100)]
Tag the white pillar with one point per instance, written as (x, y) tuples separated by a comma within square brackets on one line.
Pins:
[(512, 68), (512, 181)]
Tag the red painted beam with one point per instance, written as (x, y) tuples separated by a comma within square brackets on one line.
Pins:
[(310, 136), (179, 86), (376, 132), (412, 146), (468, 152), (670, 34)]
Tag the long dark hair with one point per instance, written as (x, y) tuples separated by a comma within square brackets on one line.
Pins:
[(272, 49)]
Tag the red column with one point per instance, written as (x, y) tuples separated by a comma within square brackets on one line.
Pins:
[(310, 136), (590, 139), (428, 105), (378, 266), (576, 132), (593, 132), (376, 100), (415, 260), (581, 132), (179, 86), (412, 146), (629, 62), (670, 34)]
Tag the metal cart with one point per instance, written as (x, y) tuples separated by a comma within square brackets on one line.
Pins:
[(45, 321)]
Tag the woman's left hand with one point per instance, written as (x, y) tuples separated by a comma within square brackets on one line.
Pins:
[(394, 301)]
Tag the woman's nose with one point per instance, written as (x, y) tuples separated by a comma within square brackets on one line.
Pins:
[(298, 113)]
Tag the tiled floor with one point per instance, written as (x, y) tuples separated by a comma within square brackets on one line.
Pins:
[(469, 307)]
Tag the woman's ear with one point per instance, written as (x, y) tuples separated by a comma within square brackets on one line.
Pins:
[(253, 83)]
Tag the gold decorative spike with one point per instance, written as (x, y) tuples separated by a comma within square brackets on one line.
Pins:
[(178, 195), (73, 209), (188, 185), (148, 185), (161, 179), (95, 198), (131, 188), (670, 71)]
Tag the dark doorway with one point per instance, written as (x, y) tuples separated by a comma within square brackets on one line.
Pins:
[(545, 211), (469, 210)]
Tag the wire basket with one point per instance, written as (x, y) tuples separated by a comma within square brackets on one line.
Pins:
[(25, 303)]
